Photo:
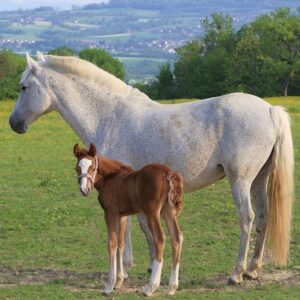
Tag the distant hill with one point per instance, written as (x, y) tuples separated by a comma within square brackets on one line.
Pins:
[(131, 29)]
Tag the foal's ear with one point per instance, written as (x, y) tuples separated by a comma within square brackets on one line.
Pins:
[(92, 150), (76, 150)]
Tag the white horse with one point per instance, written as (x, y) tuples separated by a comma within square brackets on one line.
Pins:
[(237, 135)]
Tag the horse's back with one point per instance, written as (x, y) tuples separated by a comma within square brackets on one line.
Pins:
[(217, 134)]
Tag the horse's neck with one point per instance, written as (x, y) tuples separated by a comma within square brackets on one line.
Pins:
[(87, 107)]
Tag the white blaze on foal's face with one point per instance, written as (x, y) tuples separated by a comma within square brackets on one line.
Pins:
[(84, 165)]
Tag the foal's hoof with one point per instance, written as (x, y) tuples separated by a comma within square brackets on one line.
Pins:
[(119, 283), (250, 275), (148, 290), (172, 289)]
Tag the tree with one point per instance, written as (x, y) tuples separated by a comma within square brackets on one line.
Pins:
[(62, 51), (165, 83), (11, 67), (202, 65), (219, 33), (266, 61), (104, 60)]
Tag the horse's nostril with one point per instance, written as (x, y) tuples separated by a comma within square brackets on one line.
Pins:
[(18, 127)]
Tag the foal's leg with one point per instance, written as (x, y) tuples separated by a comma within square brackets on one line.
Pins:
[(259, 197), (112, 222), (121, 243), (241, 195), (145, 228), (159, 243), (169, 214)]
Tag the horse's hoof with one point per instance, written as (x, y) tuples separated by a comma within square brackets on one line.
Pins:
[(147, 291), (107, 291), (231, 281)]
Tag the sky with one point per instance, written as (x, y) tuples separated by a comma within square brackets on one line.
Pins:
[(28, 4)]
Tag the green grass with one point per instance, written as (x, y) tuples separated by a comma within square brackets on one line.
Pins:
[(53, 240)]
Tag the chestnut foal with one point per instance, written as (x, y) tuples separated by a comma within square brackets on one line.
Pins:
[(153, 190)]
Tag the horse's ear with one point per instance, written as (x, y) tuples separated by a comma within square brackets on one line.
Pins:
[(76, 150), (32, 64), (40, 56), (92, 150)]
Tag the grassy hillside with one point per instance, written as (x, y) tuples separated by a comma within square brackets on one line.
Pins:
[(53, 240)]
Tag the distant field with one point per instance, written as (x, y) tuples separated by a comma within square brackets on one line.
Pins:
[(53, 240)]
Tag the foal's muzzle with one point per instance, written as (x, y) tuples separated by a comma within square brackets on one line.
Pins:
[(85, 192), (17, 126)]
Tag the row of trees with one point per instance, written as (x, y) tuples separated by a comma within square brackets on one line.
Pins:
[(12, 65), (262, 58)]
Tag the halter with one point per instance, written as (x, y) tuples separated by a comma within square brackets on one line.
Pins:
[(87, 175)]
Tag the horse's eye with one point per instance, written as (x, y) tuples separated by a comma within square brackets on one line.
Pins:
[(23, 88)]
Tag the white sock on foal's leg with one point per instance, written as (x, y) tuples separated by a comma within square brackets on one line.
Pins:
[(112, 276), (173, 281), (155, 278)]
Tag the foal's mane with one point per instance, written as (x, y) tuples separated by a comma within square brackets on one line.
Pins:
[(113, 167), (82, 68)]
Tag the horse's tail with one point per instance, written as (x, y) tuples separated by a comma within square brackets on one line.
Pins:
[(280, 187), (176, 190)]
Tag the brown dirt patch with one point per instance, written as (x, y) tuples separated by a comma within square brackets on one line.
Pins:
[(79, 281)]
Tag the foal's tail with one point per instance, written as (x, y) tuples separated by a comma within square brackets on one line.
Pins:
[(280, 187), (176, 190)]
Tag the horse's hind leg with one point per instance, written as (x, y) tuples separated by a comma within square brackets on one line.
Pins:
[(169, 215), (121, 243), (259, 199), (241, 195), (159, 242)]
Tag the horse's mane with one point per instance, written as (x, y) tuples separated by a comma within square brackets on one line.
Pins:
[(82, 68)]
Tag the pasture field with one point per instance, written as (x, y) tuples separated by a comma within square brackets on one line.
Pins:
[(53, 240)]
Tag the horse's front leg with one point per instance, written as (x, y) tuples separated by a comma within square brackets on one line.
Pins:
[(127, 253), (145, 228), (112, 222), (121, 243)]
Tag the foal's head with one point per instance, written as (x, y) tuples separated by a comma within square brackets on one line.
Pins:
[(86, 167)]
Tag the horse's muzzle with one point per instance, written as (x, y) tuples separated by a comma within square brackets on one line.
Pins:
[(16, 126)]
